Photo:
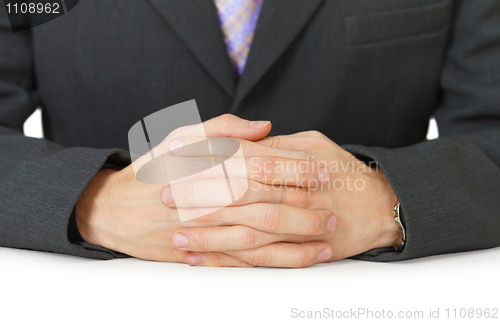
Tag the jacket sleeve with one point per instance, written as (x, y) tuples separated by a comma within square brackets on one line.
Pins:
[(40, 182), (449, 188)]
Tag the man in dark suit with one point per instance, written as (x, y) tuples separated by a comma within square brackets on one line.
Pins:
[(364, 74)]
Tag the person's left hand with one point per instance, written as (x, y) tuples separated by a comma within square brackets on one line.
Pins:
[(360, 197)]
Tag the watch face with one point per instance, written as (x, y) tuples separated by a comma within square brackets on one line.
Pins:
[(401, 228)]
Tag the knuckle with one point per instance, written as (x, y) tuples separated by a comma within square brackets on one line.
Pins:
[(267, 141), (218, 261), (277, 141), (248, 238), (266, 169), (271, 218), (254, 168), (303, 259), (299, 198), (176, 133), (314, 225), (203, 242), (303, 174), (272, 141), (227, 120), (259, 258), (307, 155), (316, 134)]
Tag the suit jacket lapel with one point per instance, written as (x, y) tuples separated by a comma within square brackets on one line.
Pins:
[(279, 23), (196, 23)]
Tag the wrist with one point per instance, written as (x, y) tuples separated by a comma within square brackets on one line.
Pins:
[(389, 233), (89, 208)]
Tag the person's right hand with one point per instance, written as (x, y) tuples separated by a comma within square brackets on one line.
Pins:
[(118, 212)]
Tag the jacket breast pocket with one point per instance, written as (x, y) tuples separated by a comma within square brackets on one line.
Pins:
[(399, 24)]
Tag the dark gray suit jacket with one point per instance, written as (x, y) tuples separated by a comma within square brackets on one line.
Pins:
[(367, 73)]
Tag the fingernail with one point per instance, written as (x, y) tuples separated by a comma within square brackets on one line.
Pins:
[(324, 175), (325, 254), (194, 260), (179, 240), (332, 224), (167, 196), (259, 124), (175, 144)]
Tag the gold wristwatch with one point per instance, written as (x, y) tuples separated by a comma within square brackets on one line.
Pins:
[(401, 228)]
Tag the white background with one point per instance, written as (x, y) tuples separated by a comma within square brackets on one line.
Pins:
[(37, 286)]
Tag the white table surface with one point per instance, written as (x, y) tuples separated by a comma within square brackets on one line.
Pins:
[(37, 286)]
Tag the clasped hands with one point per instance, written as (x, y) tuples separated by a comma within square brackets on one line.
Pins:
[(324, 205)]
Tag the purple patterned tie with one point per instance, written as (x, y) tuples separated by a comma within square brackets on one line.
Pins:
[(238, 19)]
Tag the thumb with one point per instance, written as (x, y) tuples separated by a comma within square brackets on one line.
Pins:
[(229, 125)]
